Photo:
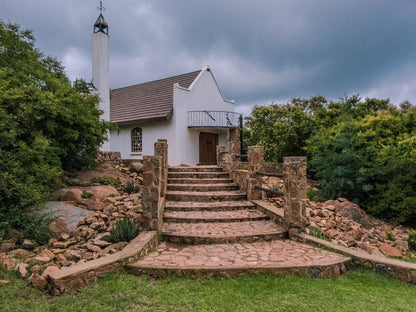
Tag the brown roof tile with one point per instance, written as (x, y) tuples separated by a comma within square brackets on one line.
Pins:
[(147, 101)]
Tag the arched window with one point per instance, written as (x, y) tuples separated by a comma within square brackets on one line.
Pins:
[(136, 140)]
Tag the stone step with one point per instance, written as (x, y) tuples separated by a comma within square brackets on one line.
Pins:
[(199, 181), (195, 169), (214, 216), (222, 232), (276, 257), (210, 206), (205, 196), (203, 187), (197, 175)]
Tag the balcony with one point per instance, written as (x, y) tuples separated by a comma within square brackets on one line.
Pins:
[(214, 119)]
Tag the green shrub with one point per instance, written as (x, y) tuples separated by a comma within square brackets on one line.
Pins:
[(112, 195), (73, 182), (274, 188), (411, 240), (124, 231), (107, 181), (311, 194), (130, 187), (315, 232), (390, 236), (85, 194), (20, 225)]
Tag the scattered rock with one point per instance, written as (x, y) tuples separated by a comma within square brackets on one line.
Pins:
[(38, 281), (27, 244), (49, 270), (389, 250), (22, 268), (3, 282), (41, 260)]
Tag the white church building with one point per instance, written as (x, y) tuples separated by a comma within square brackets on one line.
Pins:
[(188, 110)]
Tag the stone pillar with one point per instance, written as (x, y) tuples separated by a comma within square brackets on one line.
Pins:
[(295, 183), (152, 174), (255, 155), (221, 155), (234, 144), (161, 149)]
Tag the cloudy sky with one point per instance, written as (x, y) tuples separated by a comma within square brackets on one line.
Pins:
[(260, 51)]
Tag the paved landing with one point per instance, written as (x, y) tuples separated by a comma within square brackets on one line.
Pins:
[(278, 256)]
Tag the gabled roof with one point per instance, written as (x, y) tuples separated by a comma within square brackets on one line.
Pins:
[(148, 101)]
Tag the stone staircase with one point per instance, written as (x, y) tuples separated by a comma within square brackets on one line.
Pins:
[(210, 228), (204, 206)]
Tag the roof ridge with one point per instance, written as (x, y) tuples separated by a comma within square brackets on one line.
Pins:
[(152, 81)]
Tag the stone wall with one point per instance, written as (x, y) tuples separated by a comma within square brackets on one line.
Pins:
[(74, 277), (155, 173), (295, 188), (114, 158), (248, 177)]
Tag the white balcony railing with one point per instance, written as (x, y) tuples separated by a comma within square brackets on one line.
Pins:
[(216, 119)]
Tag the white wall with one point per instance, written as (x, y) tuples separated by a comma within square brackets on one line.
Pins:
[(151, 132), (203, 94), (183, 143)]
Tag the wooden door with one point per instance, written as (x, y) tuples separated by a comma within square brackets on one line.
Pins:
[(208, 148)]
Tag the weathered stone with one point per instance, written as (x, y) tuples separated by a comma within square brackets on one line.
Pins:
[(38, 281), (93, 248), (41, 260), (35, 269), (402, 245), (73, 255), (10, 264), (389, 250), (7, 246), (352, 211), (49, 270), (19, 253), (67, 194), (27, 244), (64, 237), (22, 268), (101, 243), (4, 282)]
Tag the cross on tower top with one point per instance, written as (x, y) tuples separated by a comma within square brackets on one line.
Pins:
[(101, 8), (100, 24)]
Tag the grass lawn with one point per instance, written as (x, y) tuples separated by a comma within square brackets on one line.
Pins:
[(356, 291)]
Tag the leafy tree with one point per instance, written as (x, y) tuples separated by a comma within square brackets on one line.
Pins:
[(46, 124), (283, 129)]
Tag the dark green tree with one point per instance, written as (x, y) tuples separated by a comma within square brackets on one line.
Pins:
[(46, 124)]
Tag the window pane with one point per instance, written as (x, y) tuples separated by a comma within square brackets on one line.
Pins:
[(136, 140)]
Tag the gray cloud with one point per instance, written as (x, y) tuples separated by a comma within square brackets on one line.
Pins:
[(260, 51)]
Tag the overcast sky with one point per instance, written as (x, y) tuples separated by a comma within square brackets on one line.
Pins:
[(260, 51)]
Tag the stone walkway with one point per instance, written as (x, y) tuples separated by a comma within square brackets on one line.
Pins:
[(278, 256)]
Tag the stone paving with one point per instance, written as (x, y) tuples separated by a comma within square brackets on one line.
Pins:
[(211, 206), (215, 216), (220, 228), (278, 254)]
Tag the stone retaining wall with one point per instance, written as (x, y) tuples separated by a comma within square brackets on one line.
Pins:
[(403, 271), (76, 276)]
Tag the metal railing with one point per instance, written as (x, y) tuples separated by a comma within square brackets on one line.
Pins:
[(215, 119)]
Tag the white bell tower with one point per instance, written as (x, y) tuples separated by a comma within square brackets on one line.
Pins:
[(101, 68)]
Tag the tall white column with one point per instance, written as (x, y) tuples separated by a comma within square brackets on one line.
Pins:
[(101, 76)]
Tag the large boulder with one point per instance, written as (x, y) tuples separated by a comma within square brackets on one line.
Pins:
[(353, 212), (71, 194)]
